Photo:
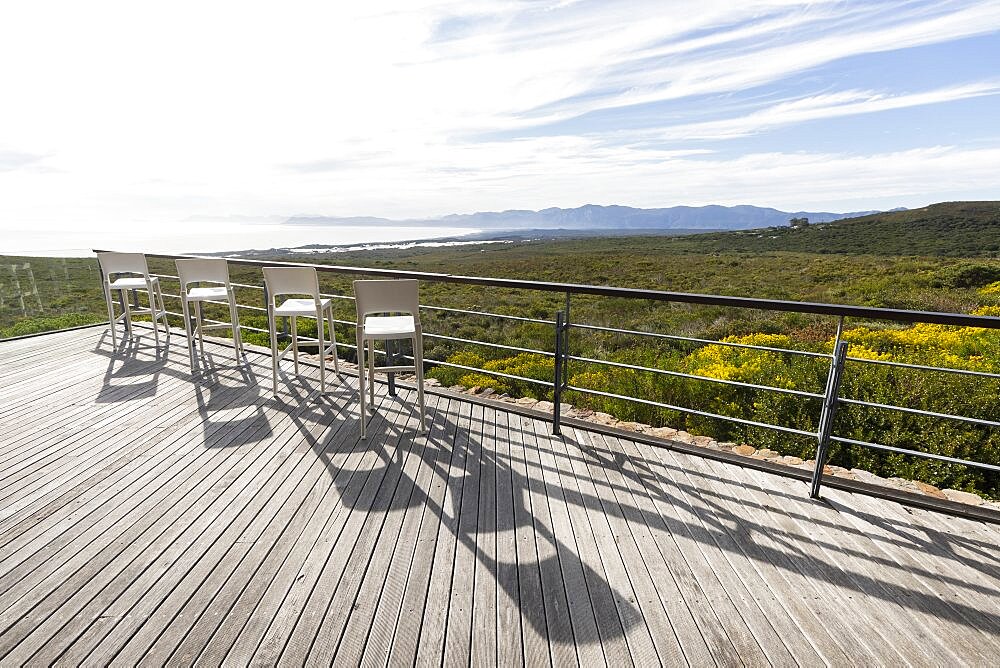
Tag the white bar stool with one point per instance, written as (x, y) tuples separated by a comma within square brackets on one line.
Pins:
[(208, 270), (388, 297), (280, 281), (133, 264)]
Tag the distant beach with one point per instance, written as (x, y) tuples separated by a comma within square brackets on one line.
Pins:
[(214, 237)]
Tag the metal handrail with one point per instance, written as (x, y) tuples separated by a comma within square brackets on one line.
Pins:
[(815, 308), (830, 397)]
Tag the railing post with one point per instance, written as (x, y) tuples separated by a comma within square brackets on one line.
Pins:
[(565, 345), (829, 412), (557, 376)]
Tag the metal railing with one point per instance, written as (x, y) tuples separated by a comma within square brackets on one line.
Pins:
[(829, 399)]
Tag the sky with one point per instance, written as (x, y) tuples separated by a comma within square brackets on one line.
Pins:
[(130, 112)]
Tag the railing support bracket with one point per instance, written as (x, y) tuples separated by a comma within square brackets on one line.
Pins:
[(829, 412)]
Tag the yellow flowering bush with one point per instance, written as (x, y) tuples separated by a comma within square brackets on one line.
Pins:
[(972, 348), (991, 289), (527, 365), (743, 364)]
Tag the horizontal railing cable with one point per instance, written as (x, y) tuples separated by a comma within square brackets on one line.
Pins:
[(924, 367), (916, 453), (675, 337), (693, 411), (680, 374), (918, 411)]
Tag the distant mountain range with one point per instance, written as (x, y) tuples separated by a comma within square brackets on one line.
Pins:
[(594, 217)]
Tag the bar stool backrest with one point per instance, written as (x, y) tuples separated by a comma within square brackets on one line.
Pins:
[(209, 270), (387, 296), (291, 281), (122, 263)]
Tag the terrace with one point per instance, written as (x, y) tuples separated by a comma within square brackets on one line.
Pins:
[(148, 514)]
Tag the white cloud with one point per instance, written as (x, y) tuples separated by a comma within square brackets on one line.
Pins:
[(829, 105), (158, 113)]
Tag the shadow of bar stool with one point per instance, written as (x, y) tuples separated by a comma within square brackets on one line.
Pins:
[(281, 281), (136, 277), (208, 270), (387, 298)]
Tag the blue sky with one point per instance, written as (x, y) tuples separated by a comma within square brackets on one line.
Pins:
[(116, 111)]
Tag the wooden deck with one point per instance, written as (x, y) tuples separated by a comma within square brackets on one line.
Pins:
[(148, 516)]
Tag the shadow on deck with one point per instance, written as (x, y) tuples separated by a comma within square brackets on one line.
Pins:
[(150, 515)]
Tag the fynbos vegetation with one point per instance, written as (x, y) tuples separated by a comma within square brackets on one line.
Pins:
[(61, 293)]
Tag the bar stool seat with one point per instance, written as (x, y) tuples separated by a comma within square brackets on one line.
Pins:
[(306, 307), (388, 327), (132, 283), (207, 294)]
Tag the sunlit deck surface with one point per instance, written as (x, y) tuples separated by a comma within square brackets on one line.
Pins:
[(148, 516)]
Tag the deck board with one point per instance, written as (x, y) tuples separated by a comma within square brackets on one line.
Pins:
[(151, 516)]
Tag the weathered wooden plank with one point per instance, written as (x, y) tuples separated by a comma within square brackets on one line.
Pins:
[(93, 498), (672, 625), (71, 546), (84, 401), (537, 552), (424, 613), (279, 523), (368, 637), (317, 631), (155, 543), (261, 599), (37, 350), (763, 572), (39, 383), (349, 611), (112, 442), (715, 540), (865, 582), (510, 636), (517, 518), (624, 570), (293, 626), (806, 570), (946, 619), (93, 395), (968, 550), (458, 630), (701, 634), (88, 572), (573, 569), (486, 567), (158, 602)]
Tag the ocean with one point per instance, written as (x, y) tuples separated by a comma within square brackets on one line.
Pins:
[(209, 237)]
